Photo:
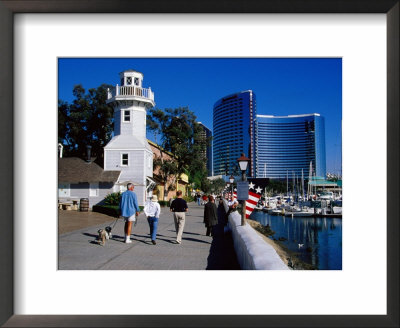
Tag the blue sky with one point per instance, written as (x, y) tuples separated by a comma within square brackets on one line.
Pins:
[(283, 86)]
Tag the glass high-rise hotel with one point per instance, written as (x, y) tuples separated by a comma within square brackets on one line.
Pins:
[(284, 145), (233, 130)]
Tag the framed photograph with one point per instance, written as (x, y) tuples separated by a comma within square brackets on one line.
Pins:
[(35, 34)]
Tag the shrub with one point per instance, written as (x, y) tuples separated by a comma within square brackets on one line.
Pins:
[(188, 198), (163, 202), (112, 210), (113, 198)]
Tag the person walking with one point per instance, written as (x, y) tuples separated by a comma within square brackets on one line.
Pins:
[(223, 217), (198, 198), (179, 207), (233, 204), (152, 211), (129, 208), (210, 215)]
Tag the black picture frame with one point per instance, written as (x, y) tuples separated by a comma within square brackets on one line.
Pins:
[(10, 7)]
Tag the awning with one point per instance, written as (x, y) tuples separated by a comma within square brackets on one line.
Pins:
[(124, 183)]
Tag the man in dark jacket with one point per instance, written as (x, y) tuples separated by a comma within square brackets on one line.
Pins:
[(210, 215), (179, 207)]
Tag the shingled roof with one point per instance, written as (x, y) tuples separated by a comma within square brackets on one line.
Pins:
[(76, 170), (127, 142)]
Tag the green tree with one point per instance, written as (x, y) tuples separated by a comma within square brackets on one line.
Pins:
[(178, 132), (277, 187), (165, 167), (88, 120), (217, 185), (166, 170)]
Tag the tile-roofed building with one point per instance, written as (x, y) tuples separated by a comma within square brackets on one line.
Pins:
[(180, 183)]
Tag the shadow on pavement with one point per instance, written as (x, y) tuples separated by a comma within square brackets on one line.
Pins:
[(222, 254), (186, 233), (90, 234), (196, 240), (191, 233)]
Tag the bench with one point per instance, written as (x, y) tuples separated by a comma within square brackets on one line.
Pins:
[(68, 205)]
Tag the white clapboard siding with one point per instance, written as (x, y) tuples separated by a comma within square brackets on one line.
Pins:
[(82, 190)]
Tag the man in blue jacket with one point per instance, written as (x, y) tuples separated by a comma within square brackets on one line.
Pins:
[(129, 208)]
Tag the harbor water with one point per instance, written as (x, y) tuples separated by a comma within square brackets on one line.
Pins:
[(316, 241)]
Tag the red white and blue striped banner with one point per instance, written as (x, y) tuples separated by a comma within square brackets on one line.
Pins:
[(252, 201), (254, 197), (255, 192)]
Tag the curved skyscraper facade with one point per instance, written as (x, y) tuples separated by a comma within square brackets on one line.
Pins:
[(285, 146), (233, 132)]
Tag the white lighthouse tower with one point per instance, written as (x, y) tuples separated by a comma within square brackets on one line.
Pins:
[(129, 150)]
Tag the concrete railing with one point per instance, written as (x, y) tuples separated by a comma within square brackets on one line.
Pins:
[(252, 252)]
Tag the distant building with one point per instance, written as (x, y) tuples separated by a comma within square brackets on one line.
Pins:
[(129, 151), (233, 132), (207, 151), (286, 145), (177, 184)]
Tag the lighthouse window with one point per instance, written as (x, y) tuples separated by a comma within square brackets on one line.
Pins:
[(124, 160), (128, 80), (136, 81), (127, 116)]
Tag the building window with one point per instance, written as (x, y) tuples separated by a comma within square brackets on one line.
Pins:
[(128, 80), (127, 115), (124, 160), (136, 81), (64, 190), (94, 189)]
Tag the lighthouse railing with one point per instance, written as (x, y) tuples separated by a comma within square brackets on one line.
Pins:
[(132, 91)]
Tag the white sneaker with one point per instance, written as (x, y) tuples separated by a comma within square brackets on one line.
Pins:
[(128, 241)]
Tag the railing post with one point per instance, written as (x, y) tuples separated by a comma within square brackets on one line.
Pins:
[(117, 90)]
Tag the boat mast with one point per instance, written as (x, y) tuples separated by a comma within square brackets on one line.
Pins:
[(309, 187), (287, 183), (315, 179), (294, 185)]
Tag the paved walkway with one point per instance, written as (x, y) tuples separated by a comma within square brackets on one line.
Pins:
[(78, 251)]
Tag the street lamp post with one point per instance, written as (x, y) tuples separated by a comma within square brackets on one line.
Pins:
[(243, 162), (231, 179)]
